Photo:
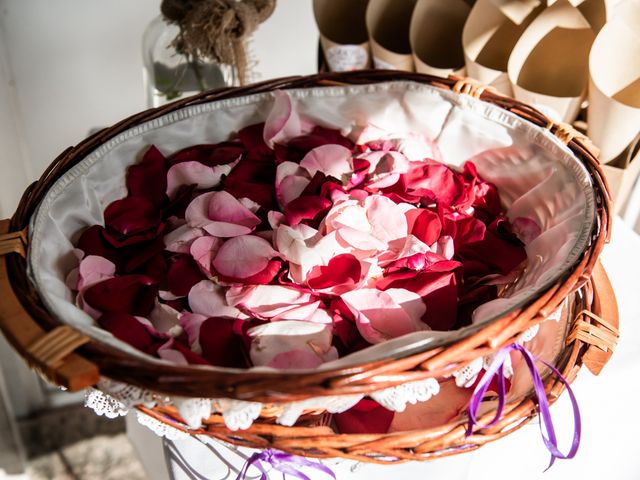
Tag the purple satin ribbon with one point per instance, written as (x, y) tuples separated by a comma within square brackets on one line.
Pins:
[(546, 423), (283, 463)]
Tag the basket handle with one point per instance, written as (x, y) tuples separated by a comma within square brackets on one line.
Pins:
[(49, 353), (598, 328)]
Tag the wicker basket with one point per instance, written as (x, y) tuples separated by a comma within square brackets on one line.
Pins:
[(74, 361)]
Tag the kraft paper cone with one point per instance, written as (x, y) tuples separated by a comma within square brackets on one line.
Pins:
[(516, 10), (388, 24), (622, 174), (614, 87), (548, 67), (436, 36), (487, 40), (343, 33)]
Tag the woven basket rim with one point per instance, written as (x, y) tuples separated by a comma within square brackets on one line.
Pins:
[(260, 384)]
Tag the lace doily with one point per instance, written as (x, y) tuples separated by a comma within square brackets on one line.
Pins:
[(238, 414), (396, 398), (161, 429), (292, 411), (103, 404)]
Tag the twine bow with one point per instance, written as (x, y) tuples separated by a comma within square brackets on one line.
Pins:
[(283, 463), (546, 423), (217, 29)]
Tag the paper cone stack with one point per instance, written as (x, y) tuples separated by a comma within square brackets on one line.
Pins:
[(343, 33), (388, 23), (548, 67), (436, 23)]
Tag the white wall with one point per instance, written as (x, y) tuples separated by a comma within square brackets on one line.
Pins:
[(77, 64)]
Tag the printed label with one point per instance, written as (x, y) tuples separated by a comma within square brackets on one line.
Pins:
[(345, 58)]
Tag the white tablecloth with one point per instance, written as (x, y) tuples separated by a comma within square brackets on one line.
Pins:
[(609, 450)]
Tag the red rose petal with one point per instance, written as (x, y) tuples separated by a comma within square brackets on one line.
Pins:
[(310, 208), (183, 274), (148, 179), (131, 220), (366, 416), (209, 155), (132, 294), (220, 344), (425, 225), (127, 328), (344, 268)]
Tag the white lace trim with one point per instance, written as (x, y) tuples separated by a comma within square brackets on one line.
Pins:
[(396, 398), (238, 414), (103, 404), (193, 410), (161, 429), (292, 411)]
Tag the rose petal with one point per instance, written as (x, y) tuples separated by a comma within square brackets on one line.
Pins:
[(241, 257), (424, 224), (132, 294), (222, 153), (183, 274), (164, 318), (94, 269), (310, 208), (267, 301), (302, 313), (341, 269), (283, 123), (147, 179), (380, 317), (333, 160), (367, 416), (127, 328), (203, 250), (220, 345), (208, 299), (526, 229), (181, 239), (276, 338), (194, 173), (131, 220)]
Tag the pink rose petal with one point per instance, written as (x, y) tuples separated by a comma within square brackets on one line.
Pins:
[(332, 160), (94, 269), (180, 240), (203, 250), (382, 315), (526, 229), (283, 123), (267, 301), (195, 173), (241, 257), (208, 299)]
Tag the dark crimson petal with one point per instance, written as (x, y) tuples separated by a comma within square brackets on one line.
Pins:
[(181, 200), (253, 140), (344, 268), (134, 257), (155, 268), (148, 179), (254, 179), (210, 155), (311, 208), (92, 242), (132, 294), (131, 220), (471, 300), (264, 277), (298, 147), (427, 227), (314, 187), (221, 346), (366, 416), (183, 274), (127, 328), (499, 254)]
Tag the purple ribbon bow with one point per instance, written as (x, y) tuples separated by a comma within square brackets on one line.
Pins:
[(546, 423), (283, 463)]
